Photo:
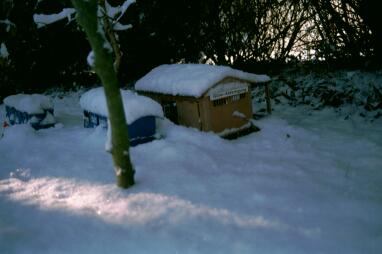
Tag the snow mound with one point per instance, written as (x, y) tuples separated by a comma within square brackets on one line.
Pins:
[(135, 106), (29, 103), (191, 79)]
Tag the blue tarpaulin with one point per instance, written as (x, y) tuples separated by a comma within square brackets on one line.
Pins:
[(15, 116), (141, 130)]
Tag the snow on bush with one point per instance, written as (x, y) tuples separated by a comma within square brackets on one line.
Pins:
[(118, 11), (42, 20), (3, 51), (350, 92)]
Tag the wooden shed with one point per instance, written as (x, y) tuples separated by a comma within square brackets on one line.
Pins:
[(206, 97)]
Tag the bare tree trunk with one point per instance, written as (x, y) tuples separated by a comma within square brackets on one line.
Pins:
[(103, 66)]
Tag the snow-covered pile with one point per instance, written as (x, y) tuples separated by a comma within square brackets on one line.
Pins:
[(350, 92), (29, 103), (191, 79), (135, 106)]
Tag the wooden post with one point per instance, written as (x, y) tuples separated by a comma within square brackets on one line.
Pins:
[(268, 98)]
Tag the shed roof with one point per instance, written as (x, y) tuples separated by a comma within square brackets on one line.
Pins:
[(191, 79)]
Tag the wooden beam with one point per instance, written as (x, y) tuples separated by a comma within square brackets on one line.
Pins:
[(268, 98)]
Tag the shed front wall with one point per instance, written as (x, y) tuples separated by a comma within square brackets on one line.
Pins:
[(218, 118)]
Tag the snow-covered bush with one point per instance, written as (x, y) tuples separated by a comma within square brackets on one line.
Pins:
[(349, 92)]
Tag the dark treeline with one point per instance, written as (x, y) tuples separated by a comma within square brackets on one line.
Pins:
[(253, 35)]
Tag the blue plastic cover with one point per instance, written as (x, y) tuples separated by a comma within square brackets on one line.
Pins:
[(15, 116), (140, 131)]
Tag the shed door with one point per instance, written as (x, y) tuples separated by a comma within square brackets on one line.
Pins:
[(188, 114), (170, 111)]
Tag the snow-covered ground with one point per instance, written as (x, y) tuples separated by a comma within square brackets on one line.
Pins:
[(308, 182)]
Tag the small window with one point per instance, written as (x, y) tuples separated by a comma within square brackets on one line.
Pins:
[(235, 97), (220, 102), (238, 97)]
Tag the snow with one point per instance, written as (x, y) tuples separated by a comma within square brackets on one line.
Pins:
[(8, 24), (45, 19), (100, 30), (191, 79), (3, 51), (239, 114), (29, 103), (108, 143), (117, 12), (308, 182), (135, 106), (49, 119), (228, 131), (351, 92), (91, 58), (120, 27)]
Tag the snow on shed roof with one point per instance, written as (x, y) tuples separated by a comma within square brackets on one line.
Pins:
[(191, 79), (136, 106), (29, 103)]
